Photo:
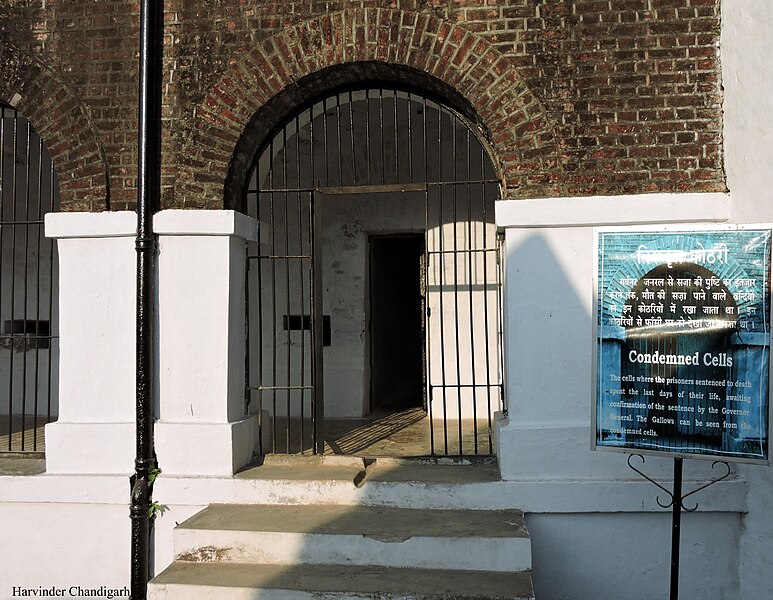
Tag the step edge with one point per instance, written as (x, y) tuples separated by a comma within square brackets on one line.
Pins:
[(519, 575)]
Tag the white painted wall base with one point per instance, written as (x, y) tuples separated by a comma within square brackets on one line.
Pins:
[(589, 556), (90, 447), (561, 452), (204, 429), (97, 265), (78, 525), (63, 545), (206, 449)]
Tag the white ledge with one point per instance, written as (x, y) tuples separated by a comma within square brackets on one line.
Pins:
[(205, 222), (592, 211), (91, 225)]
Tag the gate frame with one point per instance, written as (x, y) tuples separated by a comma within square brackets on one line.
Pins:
[(317, 194)]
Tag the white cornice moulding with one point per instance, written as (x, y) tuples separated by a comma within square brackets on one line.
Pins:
[(205, 222), (592, 211), (64, 225)]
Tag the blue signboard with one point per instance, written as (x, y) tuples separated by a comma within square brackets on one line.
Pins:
[(683, 342)]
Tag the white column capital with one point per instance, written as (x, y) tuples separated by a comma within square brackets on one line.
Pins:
[(64, 225), (634, 209), (206, 223)]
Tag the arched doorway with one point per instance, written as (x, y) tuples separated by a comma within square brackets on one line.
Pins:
[(28, 332), (374, 288)]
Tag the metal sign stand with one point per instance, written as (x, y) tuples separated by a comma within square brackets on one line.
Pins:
[(677, 505)]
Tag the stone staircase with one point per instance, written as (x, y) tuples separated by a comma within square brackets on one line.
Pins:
[(316, 550)]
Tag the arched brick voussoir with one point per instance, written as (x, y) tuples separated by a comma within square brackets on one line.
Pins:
[(64, 125), (278, 71)]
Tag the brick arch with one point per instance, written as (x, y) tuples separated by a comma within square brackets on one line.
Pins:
[(64, 125), (265, 82)]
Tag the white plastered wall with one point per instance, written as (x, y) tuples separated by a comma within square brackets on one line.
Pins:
[(746, 50), (54, 542), (95, 430), (203, 428), (545, 439)]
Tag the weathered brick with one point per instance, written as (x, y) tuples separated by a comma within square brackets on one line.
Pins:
[(628, 81)]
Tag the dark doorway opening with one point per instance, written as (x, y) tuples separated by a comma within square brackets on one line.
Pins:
[(396, 322)]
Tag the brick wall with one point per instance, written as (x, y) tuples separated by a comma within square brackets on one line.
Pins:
[(575, 97)]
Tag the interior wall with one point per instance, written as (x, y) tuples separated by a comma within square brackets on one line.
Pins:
[(348, 223)]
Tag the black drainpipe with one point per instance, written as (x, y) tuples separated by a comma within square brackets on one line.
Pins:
[(148, 195)]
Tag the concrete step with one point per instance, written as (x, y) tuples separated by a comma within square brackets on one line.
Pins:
[(482, 540), (352, 528), (227, 581), (440, 484)]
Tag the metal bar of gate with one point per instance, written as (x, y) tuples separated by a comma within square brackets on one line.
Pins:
[(317, 330), (2, 246), (486, 318), (300, 260), (259, 291), (25, 295), (386, 188), (428, 328), (470, 279), (287, 261), (272, 222), (37, 299), (456, 293), (500, 320), (13, 272), (51, 263)]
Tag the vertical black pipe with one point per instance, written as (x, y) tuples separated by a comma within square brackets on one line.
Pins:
[(676, 524), (148, 195)]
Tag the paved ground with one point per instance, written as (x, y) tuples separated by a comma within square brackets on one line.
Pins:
[(21, 465), (405, 433), (19, 434)]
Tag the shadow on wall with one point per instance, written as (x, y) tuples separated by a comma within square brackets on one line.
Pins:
[(549, 349)]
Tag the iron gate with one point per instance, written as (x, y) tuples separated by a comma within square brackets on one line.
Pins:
[(28, 334), (355, 163)]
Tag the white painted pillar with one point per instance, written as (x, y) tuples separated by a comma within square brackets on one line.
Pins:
[(97, 266), (549, 332), (203, 429)]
